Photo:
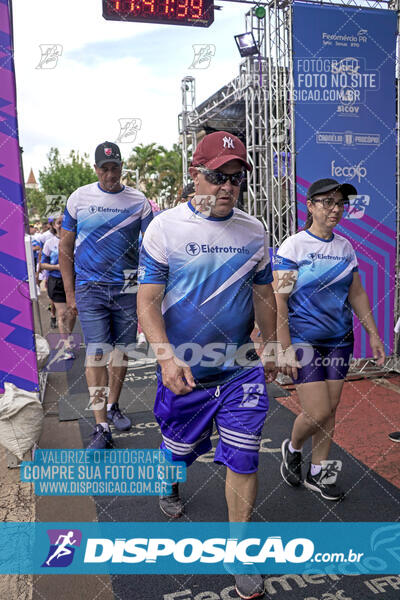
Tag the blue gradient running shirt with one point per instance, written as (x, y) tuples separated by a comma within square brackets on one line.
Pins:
[(209, 266), (107, 227), (319, 310), (50, 254)]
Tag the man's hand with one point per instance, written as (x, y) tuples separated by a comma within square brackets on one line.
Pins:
[(177, 376), (270, 370), (377, 349), (288, 362)]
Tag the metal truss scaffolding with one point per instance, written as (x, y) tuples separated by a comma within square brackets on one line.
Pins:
[(264, 88), (188, 138), (282, 207)]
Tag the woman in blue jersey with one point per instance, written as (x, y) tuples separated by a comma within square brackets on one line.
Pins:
[(55, 287), (317, 288)]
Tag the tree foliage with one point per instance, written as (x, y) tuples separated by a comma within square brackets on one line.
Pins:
[(35, 203), (64, 176), (159, 176), (159, 172)]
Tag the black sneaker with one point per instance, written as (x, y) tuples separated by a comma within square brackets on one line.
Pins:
[(120, 421), (249, 586), (172, 505), (290, 465), (329, 491), (395, 436), (53, 322), (101, 439)]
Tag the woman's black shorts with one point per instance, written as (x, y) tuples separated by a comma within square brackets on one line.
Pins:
[(55, 289)]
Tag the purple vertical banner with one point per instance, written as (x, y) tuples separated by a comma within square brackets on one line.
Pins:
[(17, 346), (345, 122)]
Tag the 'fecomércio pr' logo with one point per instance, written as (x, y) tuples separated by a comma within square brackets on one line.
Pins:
[(62, 547)]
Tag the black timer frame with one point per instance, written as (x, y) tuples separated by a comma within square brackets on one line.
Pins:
[(193, 13)]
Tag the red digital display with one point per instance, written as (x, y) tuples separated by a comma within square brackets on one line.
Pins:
[(198, 13)]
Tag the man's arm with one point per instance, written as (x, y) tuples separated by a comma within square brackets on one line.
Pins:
[(49, 267), (283, 285), (147, 216), (265, 316), (145, 222), (175, 374), (66, 262)]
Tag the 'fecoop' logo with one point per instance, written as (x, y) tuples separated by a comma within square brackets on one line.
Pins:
[(349, 171)]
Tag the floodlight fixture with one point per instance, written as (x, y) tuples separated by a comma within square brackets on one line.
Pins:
[(246, 44)]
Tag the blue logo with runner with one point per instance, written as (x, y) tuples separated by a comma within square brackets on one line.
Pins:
[(62, 547)]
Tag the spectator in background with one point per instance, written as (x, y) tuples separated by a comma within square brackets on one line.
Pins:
[(47, 230), (36, 246), (41, 238), (187, 193), (55, 287)]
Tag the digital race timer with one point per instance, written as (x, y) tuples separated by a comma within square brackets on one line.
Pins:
[(199, 13)]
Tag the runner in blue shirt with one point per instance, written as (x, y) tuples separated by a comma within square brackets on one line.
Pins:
[(205, 276), (317, 287), (99, 258), (55, 289)]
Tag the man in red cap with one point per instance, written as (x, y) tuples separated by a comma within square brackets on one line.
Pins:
[(205, 276)]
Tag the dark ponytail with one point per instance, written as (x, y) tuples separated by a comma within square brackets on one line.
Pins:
[(308, 223)]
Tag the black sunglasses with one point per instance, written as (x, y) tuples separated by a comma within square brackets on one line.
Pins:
[(218, 178)]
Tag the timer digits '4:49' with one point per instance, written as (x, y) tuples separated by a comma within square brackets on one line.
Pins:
[(199, 13)]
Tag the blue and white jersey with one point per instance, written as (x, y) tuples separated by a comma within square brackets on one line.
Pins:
[(50, 255), (36, 246), (43, 237), (107, 227), (208, 266), (319, 310)]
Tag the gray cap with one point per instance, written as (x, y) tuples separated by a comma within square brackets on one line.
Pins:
[(107, 152)]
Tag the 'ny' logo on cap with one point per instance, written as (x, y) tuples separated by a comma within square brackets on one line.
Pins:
[(228, 142)]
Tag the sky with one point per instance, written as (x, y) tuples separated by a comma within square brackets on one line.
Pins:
[(108, 71)]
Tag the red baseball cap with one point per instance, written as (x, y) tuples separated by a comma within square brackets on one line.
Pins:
[(218, 148)]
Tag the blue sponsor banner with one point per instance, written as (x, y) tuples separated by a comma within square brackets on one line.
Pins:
[(345, 123), (204, 548)]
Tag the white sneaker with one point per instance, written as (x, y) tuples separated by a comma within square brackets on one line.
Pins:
[(67, 355), (141, 341)]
